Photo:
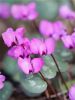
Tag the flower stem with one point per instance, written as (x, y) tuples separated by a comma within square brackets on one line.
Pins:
[(46, 92), (59, 72), (51, 88), (36, 27)]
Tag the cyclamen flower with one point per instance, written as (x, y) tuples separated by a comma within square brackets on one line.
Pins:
[(46, 28), (72, 93), (49, 29), (41, 47), (66, 12), (68, 41), (2, 79), (22, 50), (24, 12), (11, 37), (15, 51), (30, 66), (59, 30), (4, 10)]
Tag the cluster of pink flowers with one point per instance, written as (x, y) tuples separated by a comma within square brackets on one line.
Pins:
[(22, 48), (19, 11), (28, 11), (24, 12), (28, 52), (57, 31)]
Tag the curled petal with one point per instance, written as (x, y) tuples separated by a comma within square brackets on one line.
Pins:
[(46, 28), (34, 45), (19, 35), (33, 15), (8, 37), (25, 65), (20, 31), (72, 93), (16, 51), (50, 45), (1, 85), (16, 11), (68, 42), (42, 48), (31, 6), (4, 10), (66, 12), (37, 64), (2, 78)]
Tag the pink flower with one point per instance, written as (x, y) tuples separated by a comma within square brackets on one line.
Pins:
[(72, 93), (59, 30), (42, 47), (50, 45), (11, 37), (68, 41), (26, 47), (46, 28), (66, 12), (37, 64), (49, 29), (25, 65), (4, 10), (15, 51), (30, 66), (24, 12), (2, 79)]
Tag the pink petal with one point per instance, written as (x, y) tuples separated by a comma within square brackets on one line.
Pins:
[(34, 45), (16, 11), (72, 93), (20, 31), (1, 85), (24, 12), (68, 42), (50, 45), (4, 10), (19, 34), (25, 65), (2, 78), (31, 6), (37, 64), (16, 51), (42, 48), (65, 12), (33, 15), (46, 28), (8, 37)]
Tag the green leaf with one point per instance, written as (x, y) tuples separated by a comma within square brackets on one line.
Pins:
[(47, 9), (33, 85), (11, 67), (63, 66), (6, 92), (64, 53), (48, 72)]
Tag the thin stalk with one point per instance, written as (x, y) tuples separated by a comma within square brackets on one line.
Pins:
[(49, 85), (47, 94), (35, 25), (59, 72)]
